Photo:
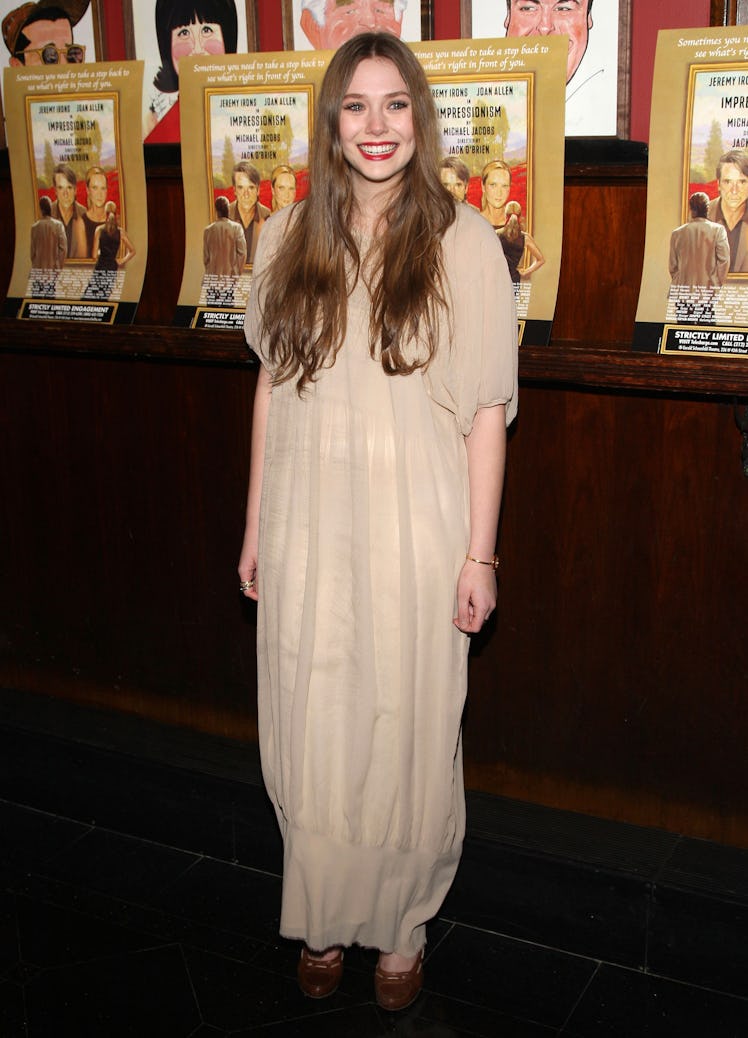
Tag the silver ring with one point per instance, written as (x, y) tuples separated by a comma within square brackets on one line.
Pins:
[(246, 585)]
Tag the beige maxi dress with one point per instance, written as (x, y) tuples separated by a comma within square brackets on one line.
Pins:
[(361, 673)]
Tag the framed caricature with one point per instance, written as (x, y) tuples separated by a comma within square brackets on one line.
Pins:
[(325, 24), (72, 35), (162, 32), (599, 56)]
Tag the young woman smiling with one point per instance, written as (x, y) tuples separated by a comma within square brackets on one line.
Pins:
[(383, 317)]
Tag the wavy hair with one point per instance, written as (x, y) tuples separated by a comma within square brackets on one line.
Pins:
[(305, 311)]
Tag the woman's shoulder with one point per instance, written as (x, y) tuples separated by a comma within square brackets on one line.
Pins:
[(274, 230), (470, 227), (470, 238), (280, 221)]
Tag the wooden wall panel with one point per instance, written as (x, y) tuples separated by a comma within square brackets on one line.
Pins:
[(602, 259), (124, 524), (614, 678)]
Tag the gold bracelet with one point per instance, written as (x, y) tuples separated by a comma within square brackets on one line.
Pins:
[(494, 561)]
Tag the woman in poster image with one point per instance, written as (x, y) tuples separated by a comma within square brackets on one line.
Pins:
[(383, 316), (185, 27), (496, 178), (515, 240), (282, 187), (112, 249)]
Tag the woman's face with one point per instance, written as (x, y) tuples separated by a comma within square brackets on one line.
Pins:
[(376, 123), (196, 38), (496, 187), (284, 190)]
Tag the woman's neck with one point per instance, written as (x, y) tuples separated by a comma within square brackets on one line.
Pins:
[(371, 202), (494, 215)]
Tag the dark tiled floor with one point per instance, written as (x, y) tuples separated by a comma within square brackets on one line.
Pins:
[(139, 898)]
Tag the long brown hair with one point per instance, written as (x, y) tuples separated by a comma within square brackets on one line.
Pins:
[(304, 311)]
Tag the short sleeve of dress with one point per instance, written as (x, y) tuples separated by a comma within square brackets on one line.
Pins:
[(476, 363), (270, 240)]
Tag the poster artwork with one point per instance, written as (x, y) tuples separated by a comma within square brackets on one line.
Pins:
[(257, 139), (501, 118), (704, 307), (246, 126), (486, 125), (79, 256)]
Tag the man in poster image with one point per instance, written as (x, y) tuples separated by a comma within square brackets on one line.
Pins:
[(42, 33), (70, 211), (49, 247), (247, 210), (729, 208), (328, 23), (224, 255), (455, 176), (699, 260)]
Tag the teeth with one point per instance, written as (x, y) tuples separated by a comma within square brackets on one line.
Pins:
[(377, 149)]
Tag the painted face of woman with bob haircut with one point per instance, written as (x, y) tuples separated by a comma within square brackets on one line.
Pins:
[(196, 38), (376, 126)]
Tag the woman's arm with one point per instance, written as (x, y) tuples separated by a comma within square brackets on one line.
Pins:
[(537, 256), (486, 454), (96, 243), (129, 249), (79, 238), (248, 559)]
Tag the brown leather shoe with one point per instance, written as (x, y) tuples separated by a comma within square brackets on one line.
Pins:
[(319, 978), (398, 990)]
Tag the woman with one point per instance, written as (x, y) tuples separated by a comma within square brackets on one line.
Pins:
[(283, 187), (515, 240), (110, 242), (185, 27), (383, 317), (496, 178)]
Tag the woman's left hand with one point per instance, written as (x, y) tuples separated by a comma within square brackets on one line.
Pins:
[(476, 596)]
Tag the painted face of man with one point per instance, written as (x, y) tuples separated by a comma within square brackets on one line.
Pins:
[(733, 187), (246, 191), (347, 18), (553, 18), (453, 184), (48, 39), (64, 190)]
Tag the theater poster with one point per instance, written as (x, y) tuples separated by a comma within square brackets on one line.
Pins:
[(694, 291), (246, 123), (501, 111), (76, 163)]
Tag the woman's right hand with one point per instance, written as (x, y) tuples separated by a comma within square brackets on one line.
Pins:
[(248, 566)]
